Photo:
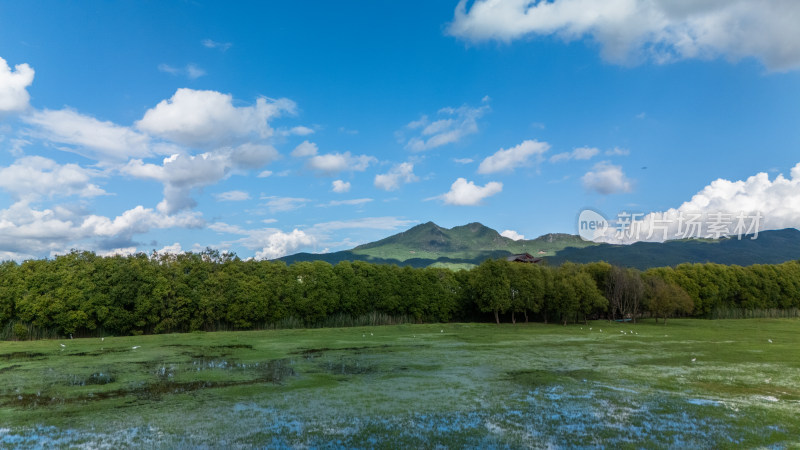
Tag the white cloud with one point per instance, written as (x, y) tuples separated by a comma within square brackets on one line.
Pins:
[(580, 153), (249, 155), (281, 204), (191, 70), (352, 202), (518, 156), (616, 151), (280, 244), (464, 160), (777, 201), (209, 119), (174, 249), (513, 235), (662, 30), (33, 177), (26, 232), (166, 68), (223, 46), (124, 251), (340, 186), (606, 178), (466, 193), (14, 95), (99, 140), (305, 149), (232, 196), (452, 125), (271, 243), (194, 72), (295, 131), (180, 173), (332, 163), (397, 175), (264, 174)]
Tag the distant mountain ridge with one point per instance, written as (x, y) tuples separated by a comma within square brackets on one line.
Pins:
[(429, 244)]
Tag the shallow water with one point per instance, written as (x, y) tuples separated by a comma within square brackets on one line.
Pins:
[(418, 390)]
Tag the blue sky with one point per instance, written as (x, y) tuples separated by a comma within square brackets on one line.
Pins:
[(268, 128)]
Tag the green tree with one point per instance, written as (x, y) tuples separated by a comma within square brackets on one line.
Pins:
[(492, 287), (665, 299)]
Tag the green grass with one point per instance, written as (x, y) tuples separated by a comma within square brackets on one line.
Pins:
[(412, 385)]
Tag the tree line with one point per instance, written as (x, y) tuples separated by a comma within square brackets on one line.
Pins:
[(82, 294)]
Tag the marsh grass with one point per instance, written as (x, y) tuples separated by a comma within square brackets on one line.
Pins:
[(410, 385), (725, 312)]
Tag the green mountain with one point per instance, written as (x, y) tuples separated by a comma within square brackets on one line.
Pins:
[(770, 247), (461, 247), (429, 244)]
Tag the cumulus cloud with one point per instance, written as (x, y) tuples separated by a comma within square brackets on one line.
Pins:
[(180, 173), (305, 149), (208, 119), (340, 186), (513, 235), (580, 153), (174, 249), (295, 131), (14, 84), (270, 243), (397, 175), (450, 126), (606, 178), (724, 202), (280, 244), (332, 163), (508, 160), (466, 193), (232, 196), (33, 177), (661, 30), (89, 137), (26, 232)]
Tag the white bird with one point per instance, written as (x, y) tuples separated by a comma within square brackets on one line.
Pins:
[(102, 339), (62, 345), (371, 334), (441, 331), (601, 330), (590, 328), (135, 347), (769, 340), (694, 359)]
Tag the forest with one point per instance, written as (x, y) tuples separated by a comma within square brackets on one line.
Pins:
[(82, 294)]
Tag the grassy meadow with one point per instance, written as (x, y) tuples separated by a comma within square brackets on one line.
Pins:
[(691, 383)]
